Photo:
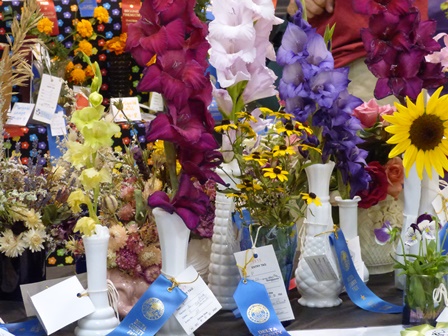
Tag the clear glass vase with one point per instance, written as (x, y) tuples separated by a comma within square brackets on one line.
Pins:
[(419, 305), (284, 242)]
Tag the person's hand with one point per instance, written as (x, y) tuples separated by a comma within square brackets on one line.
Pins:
[(317, 7)]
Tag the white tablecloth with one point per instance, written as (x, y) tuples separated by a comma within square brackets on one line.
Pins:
[(369, 331)]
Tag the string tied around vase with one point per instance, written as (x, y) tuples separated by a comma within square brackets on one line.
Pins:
[(335, 231), (113, 297)]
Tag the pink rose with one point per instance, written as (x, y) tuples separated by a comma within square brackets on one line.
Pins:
[(369, 113), (395, 176)]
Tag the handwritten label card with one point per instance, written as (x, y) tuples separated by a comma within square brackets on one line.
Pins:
[(265, 270), (47, 100), (156, 102), (57, 125), (131, 109), (200, 304), (20, 114), (65, 306), (321, 267)]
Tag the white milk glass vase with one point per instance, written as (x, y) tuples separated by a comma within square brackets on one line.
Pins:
[(223, 275), (318, 223), (103, 320), (173, 238), (348, 222)]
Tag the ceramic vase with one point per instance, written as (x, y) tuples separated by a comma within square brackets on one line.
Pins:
[(318, 224), (129, 288), (223, 275), (173, 238), (348, 222), (378, 258), (103, 320), (26, 268)]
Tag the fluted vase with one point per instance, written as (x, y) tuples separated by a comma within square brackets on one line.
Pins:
[(318, 224), (173, 238), (103, 320), (223, 275)]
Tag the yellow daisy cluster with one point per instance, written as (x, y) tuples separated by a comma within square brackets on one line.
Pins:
[(116, 44), (84, 28), (101, 14), (45, 25)]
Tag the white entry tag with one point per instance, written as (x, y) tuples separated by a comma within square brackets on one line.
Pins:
[(47, 100), (131, 109), (200, 304), (321, 267), (20, 114), (440, 205), (265, 270), (443, 317), (57, 125), (65, 307), (3, 332), (28, 290), (156, 102)]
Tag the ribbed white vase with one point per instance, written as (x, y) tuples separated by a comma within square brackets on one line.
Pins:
[(318, 294), (348, 222), (223, 275), (173, 238), (103, 320)]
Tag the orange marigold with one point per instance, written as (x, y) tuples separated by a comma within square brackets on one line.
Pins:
[(84, 46), (84, 28), (89, 71), (77, 76), (117, 44), (69, 67), (100, 13), (45, 25)]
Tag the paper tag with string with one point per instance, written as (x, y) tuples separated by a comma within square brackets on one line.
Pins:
[(254, 303), (200, 304), (440, 205)]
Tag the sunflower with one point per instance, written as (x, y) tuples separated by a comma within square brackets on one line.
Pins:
[(311, 198), (421, 134), (276, 172)]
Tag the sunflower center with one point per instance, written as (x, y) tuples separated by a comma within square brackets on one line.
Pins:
[(256, 155), (426, 132), (277, 171)]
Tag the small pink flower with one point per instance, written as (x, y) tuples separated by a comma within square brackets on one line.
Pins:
[(127, 192), (126, 259), (369, 113), (151, 273), (134, 243), (126, 212)]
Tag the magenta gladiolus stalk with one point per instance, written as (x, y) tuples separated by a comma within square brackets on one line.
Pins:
[(169, 41)]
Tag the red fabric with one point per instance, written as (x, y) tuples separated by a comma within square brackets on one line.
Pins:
[(347, 43)]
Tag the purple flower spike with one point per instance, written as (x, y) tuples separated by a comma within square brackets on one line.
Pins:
[(383, 235)]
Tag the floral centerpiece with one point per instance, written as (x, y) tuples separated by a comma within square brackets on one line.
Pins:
[(425, 271)]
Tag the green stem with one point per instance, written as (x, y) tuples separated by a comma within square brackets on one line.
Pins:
[(170, 153)]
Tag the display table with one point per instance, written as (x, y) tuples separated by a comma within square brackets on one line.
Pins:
[(347, 315)]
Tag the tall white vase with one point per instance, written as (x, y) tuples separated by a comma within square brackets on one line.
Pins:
[(173, 238), (103, 320), (223, 275), (318, 219), (348, 222)]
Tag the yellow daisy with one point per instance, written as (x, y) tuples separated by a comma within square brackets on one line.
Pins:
[(287, 128), (278, 114), (420, 132), (311, 198), (225, 126), (249, 185), (246, 116), (257, 157), (247, 130), (283, 150), (276, 172)]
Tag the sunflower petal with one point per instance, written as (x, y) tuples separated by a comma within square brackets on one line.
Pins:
[(433, 101), (399, 148), (409, 157), (420, 162), (398, 138)]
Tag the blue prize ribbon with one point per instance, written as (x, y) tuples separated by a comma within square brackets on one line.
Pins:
[(443, 239), (357, 291), (256, 309), (86, 7), (31, 327), (153, 309)]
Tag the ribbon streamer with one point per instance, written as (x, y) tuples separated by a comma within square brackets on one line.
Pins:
[(30, 327), (356, 289)]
